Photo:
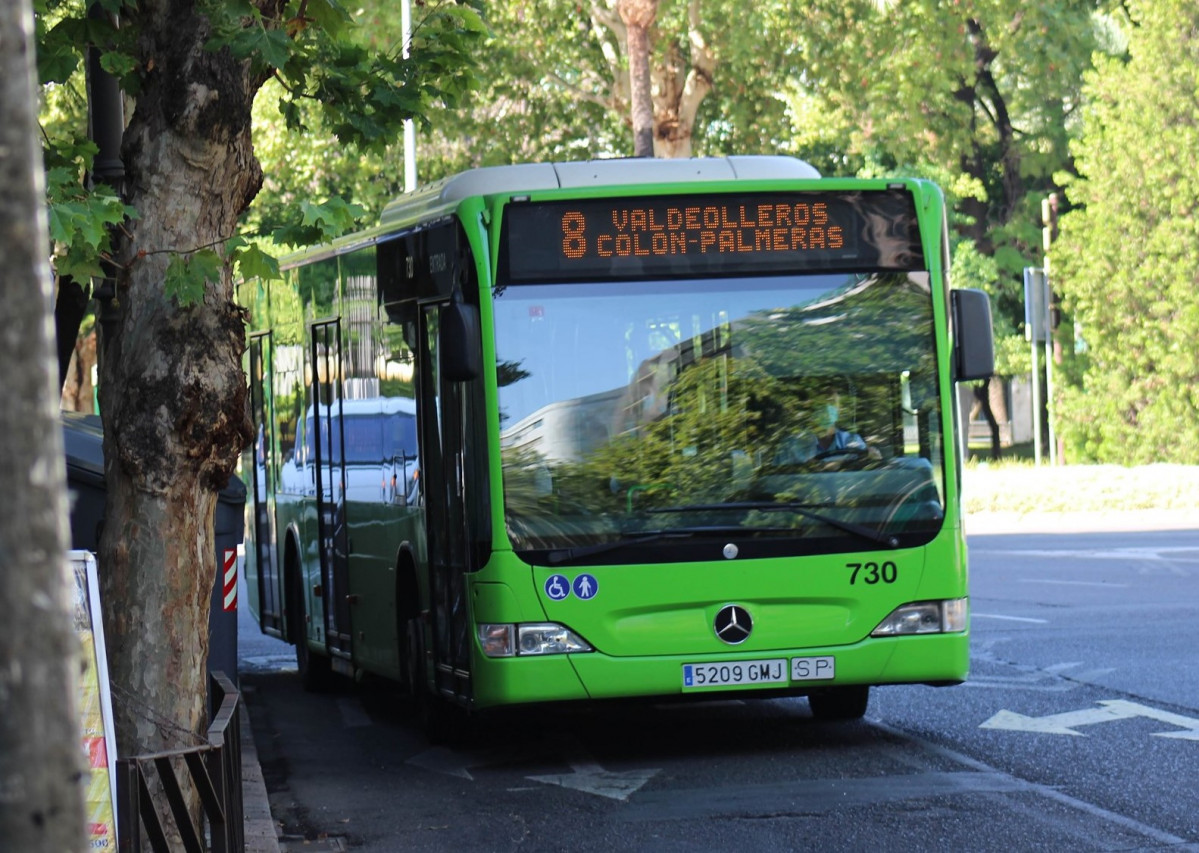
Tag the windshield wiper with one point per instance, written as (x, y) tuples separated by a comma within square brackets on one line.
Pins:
[(868, 533), (556, 557)]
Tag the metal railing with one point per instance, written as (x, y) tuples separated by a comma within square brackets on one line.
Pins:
[(214, 770)]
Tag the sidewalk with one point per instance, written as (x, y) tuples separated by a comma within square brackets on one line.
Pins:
[(1109, 521)]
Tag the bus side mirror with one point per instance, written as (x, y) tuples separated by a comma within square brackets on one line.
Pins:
[(461, 359), (973, 345)]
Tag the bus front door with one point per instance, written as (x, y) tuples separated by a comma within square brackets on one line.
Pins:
[(330, 469), (442, 451)]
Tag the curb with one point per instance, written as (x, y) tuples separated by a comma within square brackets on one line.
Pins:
[(261, 834)]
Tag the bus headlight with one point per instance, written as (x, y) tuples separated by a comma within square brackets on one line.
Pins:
[(925, 617), (534, 638)]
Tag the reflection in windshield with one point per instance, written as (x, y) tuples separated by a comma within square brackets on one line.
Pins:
[(767, 405)]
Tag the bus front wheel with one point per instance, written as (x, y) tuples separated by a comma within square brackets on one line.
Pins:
[(840, 703)]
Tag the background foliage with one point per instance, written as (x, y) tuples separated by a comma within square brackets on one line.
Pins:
[(984, 96), (1128, 258)]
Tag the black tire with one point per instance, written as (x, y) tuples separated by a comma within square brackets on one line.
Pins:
[(412, 660), (316, 670), (441, 720), (840, 703)]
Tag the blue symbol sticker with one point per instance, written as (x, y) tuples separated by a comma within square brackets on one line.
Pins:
[(688, 675), (586, 586), (557, 587)]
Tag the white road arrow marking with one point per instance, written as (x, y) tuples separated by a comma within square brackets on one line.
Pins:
[(590, 778), (587, 776), (452, 762), (1111, 709)]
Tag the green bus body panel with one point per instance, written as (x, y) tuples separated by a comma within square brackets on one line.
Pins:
[(377, 530), (795, 602)]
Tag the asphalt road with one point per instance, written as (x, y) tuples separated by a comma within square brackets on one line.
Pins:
[(1078, 730)]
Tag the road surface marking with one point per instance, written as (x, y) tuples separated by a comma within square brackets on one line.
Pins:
[(1110, 709), (1010, 618), (1047, 791), (590, 778), (1074, 583)]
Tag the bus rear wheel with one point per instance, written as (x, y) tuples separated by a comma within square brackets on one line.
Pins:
[(413, 659), (840, 703)]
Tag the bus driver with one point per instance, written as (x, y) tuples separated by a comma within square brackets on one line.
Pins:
[(825, 440)]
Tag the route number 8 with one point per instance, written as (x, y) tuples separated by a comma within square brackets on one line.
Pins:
[(574, 243)]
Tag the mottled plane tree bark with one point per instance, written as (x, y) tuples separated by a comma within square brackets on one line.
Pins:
[(637, 17)]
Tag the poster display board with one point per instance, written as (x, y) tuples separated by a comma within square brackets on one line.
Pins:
[(95, 706)]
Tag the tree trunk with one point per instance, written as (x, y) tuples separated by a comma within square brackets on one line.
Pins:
[(172, 392), (41, 760), (983, 399), (79, 391), (683, 83), (638, 17)]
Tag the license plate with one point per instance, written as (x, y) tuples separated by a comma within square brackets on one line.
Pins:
[(734, 674), (813, 669)]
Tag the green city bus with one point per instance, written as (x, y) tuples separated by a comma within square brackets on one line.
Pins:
[(619, 429)]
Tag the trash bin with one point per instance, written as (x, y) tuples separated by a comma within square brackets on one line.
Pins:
[(83, 441)]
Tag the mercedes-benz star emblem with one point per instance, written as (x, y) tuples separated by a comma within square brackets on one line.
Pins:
[(733, 624)]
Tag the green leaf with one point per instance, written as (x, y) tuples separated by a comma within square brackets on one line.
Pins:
[(56, 65), (266, 48), (117, 64), (330, 15), (187, 276), (252, 262)]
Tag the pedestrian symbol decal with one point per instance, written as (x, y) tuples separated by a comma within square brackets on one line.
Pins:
[(586, 586), (557, 587)]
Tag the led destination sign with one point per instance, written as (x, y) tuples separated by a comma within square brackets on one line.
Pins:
[(710, 234)]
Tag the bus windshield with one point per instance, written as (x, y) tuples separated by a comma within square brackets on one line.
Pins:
[(799, 412)]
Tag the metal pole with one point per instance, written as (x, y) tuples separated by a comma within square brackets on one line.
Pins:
[(1036, 404), (409, 127), (1048, 233), (1049, 366), (106, 127), (1034, 286)]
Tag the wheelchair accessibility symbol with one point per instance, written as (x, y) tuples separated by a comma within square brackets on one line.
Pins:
[(557, 587)]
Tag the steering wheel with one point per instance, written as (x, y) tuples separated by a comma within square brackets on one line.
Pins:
[(852, 452)]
